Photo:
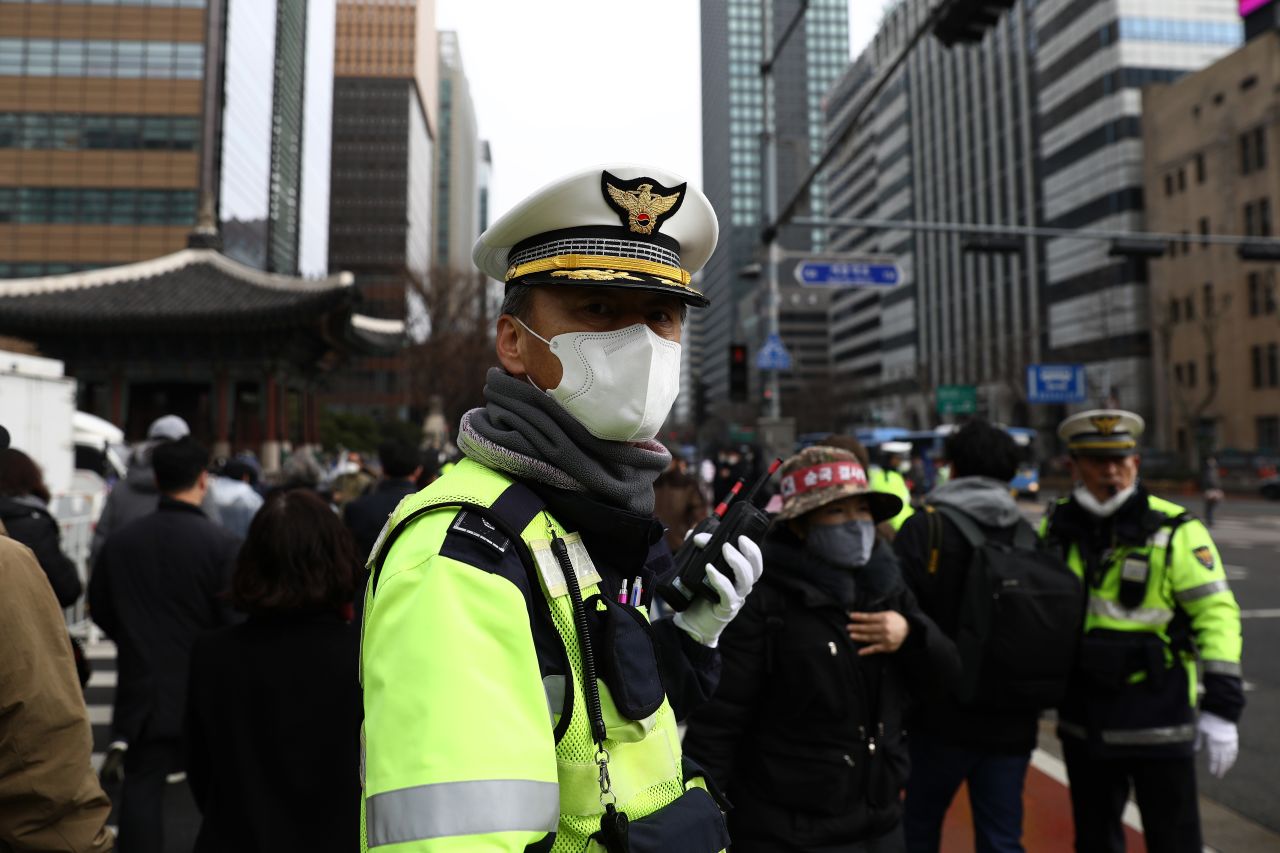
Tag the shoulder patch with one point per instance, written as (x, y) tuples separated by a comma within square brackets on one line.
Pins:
[(474, 525), (1205, 555)]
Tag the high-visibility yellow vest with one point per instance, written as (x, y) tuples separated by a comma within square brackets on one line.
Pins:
[(1183, 571), (462, 710), (880, 479)]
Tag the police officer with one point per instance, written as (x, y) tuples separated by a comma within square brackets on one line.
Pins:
[(887, 477), (1157, 600), (515, 695)]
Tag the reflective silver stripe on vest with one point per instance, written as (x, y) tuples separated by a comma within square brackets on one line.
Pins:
[(450, 809), (554, 685), (1223, 667), (1198, 592), (1150, 737), (1158, 616)]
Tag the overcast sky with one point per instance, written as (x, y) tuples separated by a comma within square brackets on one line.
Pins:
[(563, 84)]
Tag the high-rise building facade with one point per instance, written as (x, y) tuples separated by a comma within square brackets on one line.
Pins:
[(949, 138), (120, 120), (733, 45), (381, 184), (457, 197), (1037, 124), (1092, 60), (1213, 167)]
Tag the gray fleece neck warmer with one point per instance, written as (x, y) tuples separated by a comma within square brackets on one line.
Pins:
[(988, 501), (524, 432)]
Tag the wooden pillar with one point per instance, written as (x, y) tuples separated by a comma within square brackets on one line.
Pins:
[(221, 415), (286, 437), (271, 437), (117, 400)]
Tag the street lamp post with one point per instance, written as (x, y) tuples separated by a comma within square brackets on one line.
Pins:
[(769, 134)]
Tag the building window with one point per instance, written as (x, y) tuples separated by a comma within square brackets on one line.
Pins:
[(1204, 231), (1189, 308), (1273, 366), (1208, 300), (1168, 184), (1200, 169), (1177, 374), (1211, 369), (1249, 220), (1182, 179), (1255, 294), (1268, 429), (1255, 357), (1174, 306), (1253, 150)]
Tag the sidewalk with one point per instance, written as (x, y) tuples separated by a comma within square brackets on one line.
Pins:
[(1046, 824), (1047, 815)]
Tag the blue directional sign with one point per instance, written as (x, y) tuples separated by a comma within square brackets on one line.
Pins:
[(843, 273), (1056, 383), (773, 355)]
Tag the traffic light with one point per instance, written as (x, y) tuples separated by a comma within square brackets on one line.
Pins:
[(738, 373), (967, 20)]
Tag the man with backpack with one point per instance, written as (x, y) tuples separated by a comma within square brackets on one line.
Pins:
[(1158, 604), (968, 548)]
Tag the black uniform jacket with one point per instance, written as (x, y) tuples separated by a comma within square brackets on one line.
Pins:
[(805, 735), (34, 527), (273, 734), (624, 545), (160, 582)]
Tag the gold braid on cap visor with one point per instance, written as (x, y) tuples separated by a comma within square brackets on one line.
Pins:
[(678, 277), (1093, 444)]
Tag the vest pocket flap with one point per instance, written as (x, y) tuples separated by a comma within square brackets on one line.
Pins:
[(691, 824), (626, 660), (1112, 658)]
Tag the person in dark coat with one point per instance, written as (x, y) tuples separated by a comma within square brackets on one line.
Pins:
[(24, 510), (366, 515), (273, 712), (160, 582), (680, 503), (984, 745), (805, 733)]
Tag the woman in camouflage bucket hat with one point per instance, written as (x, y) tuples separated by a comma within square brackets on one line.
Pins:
[(805, 729)]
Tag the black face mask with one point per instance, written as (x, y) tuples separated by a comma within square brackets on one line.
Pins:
[(846, 545)]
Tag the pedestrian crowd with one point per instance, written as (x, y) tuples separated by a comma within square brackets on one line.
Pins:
[(471, 656)]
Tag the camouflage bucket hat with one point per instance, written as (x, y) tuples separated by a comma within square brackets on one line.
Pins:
[(816, 476)]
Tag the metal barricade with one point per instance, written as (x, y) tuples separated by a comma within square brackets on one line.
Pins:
[(77, 511)]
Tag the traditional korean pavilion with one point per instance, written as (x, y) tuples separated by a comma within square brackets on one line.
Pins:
[(238, 352)]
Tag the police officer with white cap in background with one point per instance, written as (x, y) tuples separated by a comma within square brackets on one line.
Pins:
[(887, 476), (518, 583), (1159, 611)]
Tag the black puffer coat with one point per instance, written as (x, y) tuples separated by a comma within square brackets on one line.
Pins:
[(30, 523), (804, 735)]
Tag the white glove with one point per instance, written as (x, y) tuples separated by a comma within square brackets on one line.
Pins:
[(704, 620), (1223, 740)]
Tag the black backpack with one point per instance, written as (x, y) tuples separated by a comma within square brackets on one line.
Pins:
[(1021, 614)]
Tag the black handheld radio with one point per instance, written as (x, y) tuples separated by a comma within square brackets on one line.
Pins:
[(731, 519)]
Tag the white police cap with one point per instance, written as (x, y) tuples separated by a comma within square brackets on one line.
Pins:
[(622, 225), (1102, 432)]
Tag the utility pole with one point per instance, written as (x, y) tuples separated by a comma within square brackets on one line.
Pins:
[(769, 138)]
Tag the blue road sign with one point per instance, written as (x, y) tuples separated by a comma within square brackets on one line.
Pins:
[(773, 355), (1056, 383), (832, 273)]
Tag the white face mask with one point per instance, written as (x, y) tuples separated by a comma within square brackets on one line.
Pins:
[(1102, 509), (619, 385)]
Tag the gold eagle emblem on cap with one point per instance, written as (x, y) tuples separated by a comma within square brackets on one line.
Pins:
[(643, 207), (642, 204), (1105, 424)]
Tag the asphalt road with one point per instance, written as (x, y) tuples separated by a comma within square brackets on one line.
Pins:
[(1247, 532)]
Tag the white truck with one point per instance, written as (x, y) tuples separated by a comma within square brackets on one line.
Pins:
[(37, 407)]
